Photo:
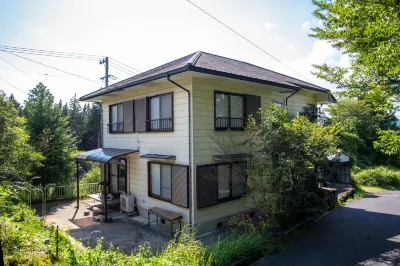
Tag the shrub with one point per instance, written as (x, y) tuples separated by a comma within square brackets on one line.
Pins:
[(378, 176)]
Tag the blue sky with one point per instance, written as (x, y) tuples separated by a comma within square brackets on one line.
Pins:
[(145, 34)]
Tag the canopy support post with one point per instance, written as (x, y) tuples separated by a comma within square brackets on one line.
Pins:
[(106, 171), (77, 184)]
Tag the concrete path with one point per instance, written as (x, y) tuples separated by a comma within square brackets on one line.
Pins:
[(363, 232)]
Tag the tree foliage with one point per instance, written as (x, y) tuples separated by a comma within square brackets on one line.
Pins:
[(50, 135), (369, 32), (17, 157), (290, 162)]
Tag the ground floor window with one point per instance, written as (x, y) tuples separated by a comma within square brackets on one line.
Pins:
[(220, 182), (169, 182)]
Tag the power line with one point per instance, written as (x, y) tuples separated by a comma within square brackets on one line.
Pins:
[(13, 85), (122, 70), (125, 65), (69, 73), (19, 69), (50, 53), (240, 35)]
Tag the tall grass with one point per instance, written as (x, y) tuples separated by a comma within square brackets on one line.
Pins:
[(381, 176), (27, 241)]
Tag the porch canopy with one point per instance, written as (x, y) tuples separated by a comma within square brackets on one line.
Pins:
[(102, 155)]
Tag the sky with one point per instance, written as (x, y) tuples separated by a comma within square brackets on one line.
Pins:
[(146, 34)]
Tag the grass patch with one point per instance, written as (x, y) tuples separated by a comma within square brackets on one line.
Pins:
[(381, 176)]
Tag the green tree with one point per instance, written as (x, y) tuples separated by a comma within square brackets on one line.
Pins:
[(92, 127), (65, 110), (369, 32), (76, 119), (50, 135), (17, 157), (360, 123), (288, 162)]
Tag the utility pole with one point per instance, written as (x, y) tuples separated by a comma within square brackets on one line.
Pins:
[(105, 62)]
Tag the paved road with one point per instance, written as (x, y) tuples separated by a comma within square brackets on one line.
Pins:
[(364, 232)]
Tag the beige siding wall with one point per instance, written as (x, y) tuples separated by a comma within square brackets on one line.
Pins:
[(205, 148), (173, 143)]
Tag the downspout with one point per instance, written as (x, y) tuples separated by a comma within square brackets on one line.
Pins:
[(190, 149), (286, 100)]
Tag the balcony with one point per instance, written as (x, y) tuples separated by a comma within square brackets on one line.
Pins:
[(160, 125), (224, 123)]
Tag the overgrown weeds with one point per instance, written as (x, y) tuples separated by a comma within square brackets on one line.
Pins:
[(381, 176)]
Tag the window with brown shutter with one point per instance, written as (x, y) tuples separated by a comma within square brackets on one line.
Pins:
[(169, 182), (220, 182)]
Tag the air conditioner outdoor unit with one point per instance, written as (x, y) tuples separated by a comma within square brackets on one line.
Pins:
[(127, 203)]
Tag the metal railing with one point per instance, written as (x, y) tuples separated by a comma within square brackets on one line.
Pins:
[(69, 192), (115, 127), (231, 123), (160, 125)]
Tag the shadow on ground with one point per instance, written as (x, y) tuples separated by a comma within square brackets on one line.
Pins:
[(363, 232)]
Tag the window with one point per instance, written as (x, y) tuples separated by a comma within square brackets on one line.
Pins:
[(122, 117), (229, 111), (117, 118), (219, 183), (169, 182), (160, 113), (279, 103)]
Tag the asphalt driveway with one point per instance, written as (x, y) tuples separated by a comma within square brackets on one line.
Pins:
[(364, 232)]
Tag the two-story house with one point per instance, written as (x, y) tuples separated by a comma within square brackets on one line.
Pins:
[(157, 128)]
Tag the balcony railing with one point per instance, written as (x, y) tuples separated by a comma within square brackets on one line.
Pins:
[(116, 127), (223, 123), (160, 125)]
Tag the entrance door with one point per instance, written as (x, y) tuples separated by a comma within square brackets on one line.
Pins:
[(122, 176)]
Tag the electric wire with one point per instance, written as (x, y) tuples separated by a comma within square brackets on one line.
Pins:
[(125, 65), (244, 38), (122, 70), (13, 85), (20, 70), (69, 73)]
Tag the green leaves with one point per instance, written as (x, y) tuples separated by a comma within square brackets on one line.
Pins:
[(50, 135), (388, 142), (369, 32)]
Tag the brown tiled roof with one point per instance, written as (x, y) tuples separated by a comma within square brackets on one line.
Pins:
[(211, 64)]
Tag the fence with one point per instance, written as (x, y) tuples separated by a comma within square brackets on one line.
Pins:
[(54, 192)]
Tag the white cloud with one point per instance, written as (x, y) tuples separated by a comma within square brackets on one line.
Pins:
[(305, 25), (278, 38), (291, 47), (270, 26), (321, 52)]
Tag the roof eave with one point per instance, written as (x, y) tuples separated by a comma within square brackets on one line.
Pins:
[(135, 83)]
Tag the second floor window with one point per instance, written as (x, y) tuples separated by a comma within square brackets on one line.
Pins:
[(160, 113), (117, 118), (229, 111)]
